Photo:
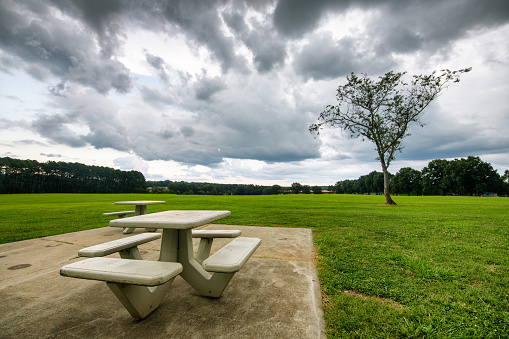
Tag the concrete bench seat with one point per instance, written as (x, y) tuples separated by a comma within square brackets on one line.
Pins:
[(123, 271), (120, 214), (207, 238), (232, 257), (138, 284), (216, 233), (127, 247)]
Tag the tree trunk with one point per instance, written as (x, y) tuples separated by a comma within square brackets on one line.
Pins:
[(387, 193)]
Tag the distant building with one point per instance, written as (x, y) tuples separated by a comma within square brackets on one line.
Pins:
[(162, 188)]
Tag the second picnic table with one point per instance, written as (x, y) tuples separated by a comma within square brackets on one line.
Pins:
[(140, 209)]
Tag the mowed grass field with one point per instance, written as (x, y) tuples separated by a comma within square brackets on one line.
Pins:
[(431, 267)]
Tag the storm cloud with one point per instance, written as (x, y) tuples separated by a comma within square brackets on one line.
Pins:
[(222, 83)]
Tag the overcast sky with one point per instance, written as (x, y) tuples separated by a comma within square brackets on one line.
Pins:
[(224, 91)]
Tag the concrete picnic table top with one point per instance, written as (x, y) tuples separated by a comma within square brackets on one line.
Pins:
[(139, 202), (184, 219)]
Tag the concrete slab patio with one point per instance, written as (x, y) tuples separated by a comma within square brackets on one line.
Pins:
[(275, 295)]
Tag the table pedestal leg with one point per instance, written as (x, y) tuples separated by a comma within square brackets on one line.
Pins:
[(142, 210), (128, 230), (138, 210), (140, 301), (169, 245), (208, 285)]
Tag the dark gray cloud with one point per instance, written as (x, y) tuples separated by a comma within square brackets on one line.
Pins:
[(444, 20), (272, 55), (207, 87), (52, 48), (107, 136), (187, 131), (201, 22), (396, 27), (324, 58), (255, 123), (400, 26), (235, 20), (238, 125), (35, 35), (159, 65), (269, 50), (166, 134), (55, 127), (155, 61), (294, 18), (430, 27), (103, 17), (85, 118), (446, 136), (156, 97), (49, 47)]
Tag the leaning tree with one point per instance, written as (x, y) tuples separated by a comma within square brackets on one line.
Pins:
[(382, 111)]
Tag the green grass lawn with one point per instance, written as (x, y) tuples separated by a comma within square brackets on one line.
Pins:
[(434, 267)]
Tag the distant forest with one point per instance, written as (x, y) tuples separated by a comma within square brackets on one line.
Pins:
[(465, 176), (30, 176), (182, 187), (470, 176)]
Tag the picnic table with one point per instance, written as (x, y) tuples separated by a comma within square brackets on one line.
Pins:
[(140, 284), (140, 209), (141, 205)]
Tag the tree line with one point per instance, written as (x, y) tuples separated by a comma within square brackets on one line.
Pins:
[(470, 176), (203, 188), (30, 176), (465, 176)]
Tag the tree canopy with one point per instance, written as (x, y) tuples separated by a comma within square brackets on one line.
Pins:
[(407, 180), (465, 176), (30, 176), (382, 111)]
